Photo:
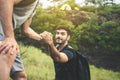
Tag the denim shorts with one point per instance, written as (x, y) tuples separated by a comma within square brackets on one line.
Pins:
[(17, 65)]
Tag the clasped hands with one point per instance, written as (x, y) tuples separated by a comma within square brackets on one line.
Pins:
[(47, 37)]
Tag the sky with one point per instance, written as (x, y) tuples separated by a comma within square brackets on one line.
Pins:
[(46, 3)]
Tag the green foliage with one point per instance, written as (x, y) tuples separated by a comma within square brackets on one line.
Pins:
[(86, 32), (106, 11), (88, 8), (109, 10), (109, 35), (48, 20), (72, 4), (105, 35), (116, 9), (102, 74)]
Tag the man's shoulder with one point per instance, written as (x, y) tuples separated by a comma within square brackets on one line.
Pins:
[(69, 48)]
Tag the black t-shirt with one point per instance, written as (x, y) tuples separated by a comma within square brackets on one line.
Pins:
[(68, 70)]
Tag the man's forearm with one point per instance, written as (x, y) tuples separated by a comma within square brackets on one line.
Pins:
[(6, 12), (32, 34), (29, 32), (55, 53)]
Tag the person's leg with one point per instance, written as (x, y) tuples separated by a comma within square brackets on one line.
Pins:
[(4, 69), (17, 71), (6, 62), (19, 75)]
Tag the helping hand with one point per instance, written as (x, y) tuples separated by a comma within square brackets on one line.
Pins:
[(47, 37), (9, 46)]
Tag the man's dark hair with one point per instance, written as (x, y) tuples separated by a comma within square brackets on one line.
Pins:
[(65, 28)]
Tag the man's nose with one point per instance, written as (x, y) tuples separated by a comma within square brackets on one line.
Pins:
[(58, 35)]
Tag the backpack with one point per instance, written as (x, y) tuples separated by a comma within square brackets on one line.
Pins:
[(83, 67)]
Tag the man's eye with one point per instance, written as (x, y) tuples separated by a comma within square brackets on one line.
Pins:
[(62, 33)]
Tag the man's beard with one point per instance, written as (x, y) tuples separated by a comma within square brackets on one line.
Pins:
[(61, 42)]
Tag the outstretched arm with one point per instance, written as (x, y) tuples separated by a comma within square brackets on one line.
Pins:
[(9, 44), (55, 54), (29, 31)]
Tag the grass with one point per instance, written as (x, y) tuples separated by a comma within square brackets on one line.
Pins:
[(39, 66), (102, 74)]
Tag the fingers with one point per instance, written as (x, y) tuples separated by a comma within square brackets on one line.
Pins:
[(46, 34), (4, 47), (47, 37), (13, 50), (9, 46), (8, 49)]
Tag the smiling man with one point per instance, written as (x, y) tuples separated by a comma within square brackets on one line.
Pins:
[(64, 59)]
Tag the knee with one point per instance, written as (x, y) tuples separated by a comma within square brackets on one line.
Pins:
[(7, 59), (21, 75)]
